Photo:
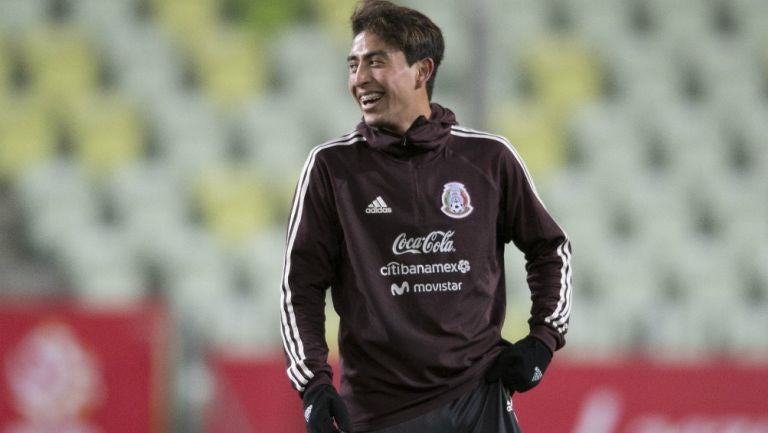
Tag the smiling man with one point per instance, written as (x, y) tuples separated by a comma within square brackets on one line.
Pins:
[(406, 220)]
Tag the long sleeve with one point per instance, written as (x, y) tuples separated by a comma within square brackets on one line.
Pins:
[(526, 222), (312, 250)]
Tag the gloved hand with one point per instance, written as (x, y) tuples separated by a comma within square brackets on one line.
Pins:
[(323, 405), (521, 366)]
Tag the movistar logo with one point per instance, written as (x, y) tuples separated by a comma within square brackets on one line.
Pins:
[(399, 290)]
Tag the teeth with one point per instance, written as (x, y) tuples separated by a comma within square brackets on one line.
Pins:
[(370, 97)]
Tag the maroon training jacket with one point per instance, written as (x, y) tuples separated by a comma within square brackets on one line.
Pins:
[(409, 232)]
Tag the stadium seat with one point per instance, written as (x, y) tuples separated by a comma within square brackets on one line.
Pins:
[(18, 15), (197, 274), (187, 20), (268, 18), (751, 16), (58, 203), (101, 267), (333, 15), (152, 209), (536, 134), (681, 21), (107, 134), (258, 269), (272, 141), (690, 140), (598, 20), (143, 60), (234, 203), (292, 50), (231, 67), (564, 74), (604, 140), (101, 16), (238, 326), (62, 65), (729, 68), (28, 136), (6, 66), (187, 133)]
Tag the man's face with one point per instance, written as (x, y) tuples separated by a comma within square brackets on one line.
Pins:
[(390, 93)]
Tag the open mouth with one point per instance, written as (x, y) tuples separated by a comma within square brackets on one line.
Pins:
[(369, 99)]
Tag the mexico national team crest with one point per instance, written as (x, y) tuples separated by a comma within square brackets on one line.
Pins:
[(456, 201)]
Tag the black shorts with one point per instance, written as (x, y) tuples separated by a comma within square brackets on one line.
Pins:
[(487, 409)]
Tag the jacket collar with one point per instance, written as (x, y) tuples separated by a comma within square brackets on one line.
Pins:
[(422, 136)]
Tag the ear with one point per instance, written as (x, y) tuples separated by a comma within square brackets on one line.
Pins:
[(425, 68)]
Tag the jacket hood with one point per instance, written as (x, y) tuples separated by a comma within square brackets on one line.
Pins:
[(422, 136)]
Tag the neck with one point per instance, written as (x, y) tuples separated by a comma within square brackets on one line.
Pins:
[(423, 109)]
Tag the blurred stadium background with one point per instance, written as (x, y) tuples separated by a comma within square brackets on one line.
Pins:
[(149, 149)]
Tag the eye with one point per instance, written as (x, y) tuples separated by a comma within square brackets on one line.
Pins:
[(352, 67)]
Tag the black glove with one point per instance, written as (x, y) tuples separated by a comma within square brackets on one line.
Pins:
[(323, 405), (521, 366)]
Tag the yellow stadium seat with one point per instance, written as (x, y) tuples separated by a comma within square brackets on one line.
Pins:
[(234, 204), (107, 134), (62, 65), (231, 67), (334, 15), (27, 136), (534, 131), (564, 72), (187, 19), (5, 70)]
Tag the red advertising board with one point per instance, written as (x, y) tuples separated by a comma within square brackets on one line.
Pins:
[(74, 369), (253, 395), (641, 396), (624, 396)]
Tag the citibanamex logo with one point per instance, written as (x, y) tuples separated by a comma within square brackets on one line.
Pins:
[(54, 381), (435, 242)]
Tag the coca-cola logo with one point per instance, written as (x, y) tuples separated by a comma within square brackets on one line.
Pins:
[(435, 242)]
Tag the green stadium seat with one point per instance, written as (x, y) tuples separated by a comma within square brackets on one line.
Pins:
[(269, 19)]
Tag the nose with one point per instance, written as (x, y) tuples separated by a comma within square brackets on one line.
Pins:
[(361, 76)]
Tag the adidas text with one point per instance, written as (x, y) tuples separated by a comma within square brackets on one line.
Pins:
[(378, 205)]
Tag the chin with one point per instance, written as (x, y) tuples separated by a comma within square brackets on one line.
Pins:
[(377, 122)]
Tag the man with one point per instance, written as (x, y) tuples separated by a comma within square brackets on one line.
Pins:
[(405, 220)]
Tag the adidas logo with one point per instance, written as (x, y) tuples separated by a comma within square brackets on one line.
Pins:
[(537, 375), (378, 206)]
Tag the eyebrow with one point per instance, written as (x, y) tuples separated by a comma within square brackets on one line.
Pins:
[(368, 55)]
